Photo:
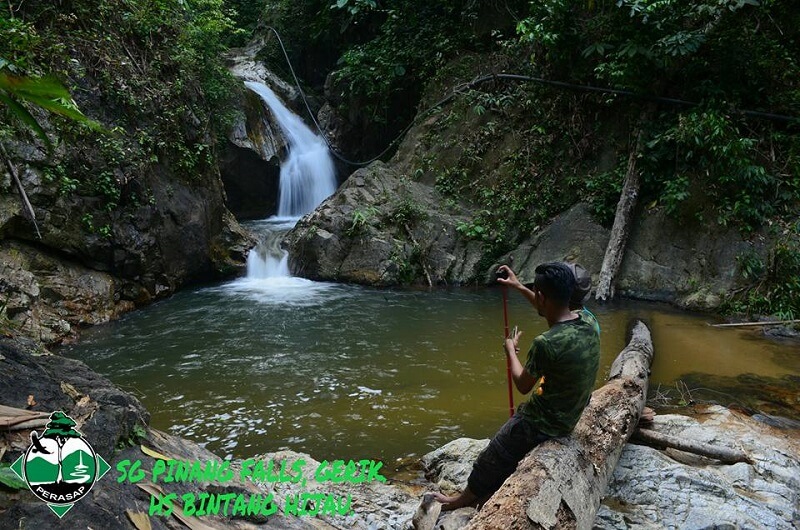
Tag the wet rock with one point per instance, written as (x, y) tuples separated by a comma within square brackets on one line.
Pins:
[(651, 489), (250, 163), (381, 228), (375, 505), (449, 466), (48, 297), (106, 416)]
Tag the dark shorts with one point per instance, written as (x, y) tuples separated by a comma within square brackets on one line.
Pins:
[(500, 458)]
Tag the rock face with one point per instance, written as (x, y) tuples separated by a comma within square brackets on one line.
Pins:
[(654, 489), (693, 267), (382, 229), (250, 165), (48, 296), (251, 161), (92, 263)]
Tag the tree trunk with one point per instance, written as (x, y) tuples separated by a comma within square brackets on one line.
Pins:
[(615, 251), (561, 482), (657, 440)]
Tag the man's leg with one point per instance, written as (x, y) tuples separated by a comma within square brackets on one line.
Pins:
[(492, 467)]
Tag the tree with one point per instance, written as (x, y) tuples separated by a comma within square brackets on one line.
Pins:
[(60, 428)]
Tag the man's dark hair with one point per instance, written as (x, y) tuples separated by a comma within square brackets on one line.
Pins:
[(556, 281)]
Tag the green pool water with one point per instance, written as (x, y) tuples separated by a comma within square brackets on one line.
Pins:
[(344, 372)]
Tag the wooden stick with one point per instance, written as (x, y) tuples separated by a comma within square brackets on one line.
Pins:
[(744, 324), (658, 440), (23, 196)]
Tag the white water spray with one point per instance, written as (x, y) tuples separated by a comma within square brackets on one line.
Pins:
[(307, 175), (307, 178)]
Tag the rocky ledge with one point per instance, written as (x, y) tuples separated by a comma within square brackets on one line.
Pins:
[(649, 489), (381, 228)]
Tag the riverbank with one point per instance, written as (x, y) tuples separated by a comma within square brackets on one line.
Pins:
[(649, 487)]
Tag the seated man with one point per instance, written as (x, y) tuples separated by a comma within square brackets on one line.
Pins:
[(562, 365)]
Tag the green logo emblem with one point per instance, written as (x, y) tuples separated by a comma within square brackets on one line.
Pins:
[(60, 467)]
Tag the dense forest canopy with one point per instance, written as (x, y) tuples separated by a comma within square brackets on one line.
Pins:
[(153, 74)]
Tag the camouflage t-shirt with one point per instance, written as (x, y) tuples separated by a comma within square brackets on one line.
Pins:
[(567, 355)]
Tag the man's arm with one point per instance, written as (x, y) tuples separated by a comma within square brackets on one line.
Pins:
[(513, 281), (523, 379)]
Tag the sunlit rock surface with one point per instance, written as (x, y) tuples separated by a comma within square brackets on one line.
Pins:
[(670, 489)]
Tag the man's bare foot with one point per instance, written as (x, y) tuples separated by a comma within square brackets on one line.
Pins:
[(442, 498), (467, 498), (647, 416)]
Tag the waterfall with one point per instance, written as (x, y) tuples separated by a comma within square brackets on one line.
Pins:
[(307, 178), (307, 175)]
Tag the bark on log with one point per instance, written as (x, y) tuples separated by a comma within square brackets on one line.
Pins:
[(561, 482), (657, 440), (626, 206)]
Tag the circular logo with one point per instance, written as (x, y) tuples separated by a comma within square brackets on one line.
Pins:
[(60, 469)]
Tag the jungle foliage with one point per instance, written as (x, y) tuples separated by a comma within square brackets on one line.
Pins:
[(150, 71), (724, 55)]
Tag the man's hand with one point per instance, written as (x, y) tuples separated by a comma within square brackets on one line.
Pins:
[(512, 343), (511, 278)]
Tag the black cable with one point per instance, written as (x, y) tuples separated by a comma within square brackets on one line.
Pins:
[(512, 77)]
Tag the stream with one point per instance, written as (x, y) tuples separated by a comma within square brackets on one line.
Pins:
[(341, 371)]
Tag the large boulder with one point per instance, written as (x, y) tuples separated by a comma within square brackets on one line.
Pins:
[(694, 267), (144, 235), (670, 489), (449, 466), (381, 228)]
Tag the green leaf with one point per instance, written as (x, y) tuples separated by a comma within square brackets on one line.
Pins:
[(63, 108), (10, 479), (25, 116), (48, 87)]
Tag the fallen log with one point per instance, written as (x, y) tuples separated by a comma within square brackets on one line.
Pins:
[(561, 482), (752, 324), (657, 440)]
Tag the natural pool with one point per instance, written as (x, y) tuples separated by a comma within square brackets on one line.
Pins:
[(341, 371)]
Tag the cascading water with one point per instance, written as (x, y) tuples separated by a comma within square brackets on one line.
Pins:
[(307, 178)]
